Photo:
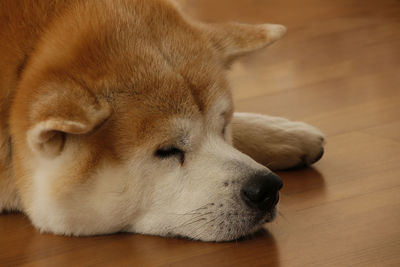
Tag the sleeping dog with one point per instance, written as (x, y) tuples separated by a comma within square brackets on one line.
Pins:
[(116, 115)]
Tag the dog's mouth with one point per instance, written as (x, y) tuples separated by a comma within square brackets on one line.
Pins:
[(212, 224)]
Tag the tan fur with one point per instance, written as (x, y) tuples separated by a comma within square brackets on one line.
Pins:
[(88, 84)]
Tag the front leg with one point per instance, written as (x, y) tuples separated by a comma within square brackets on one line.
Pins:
[(277, 142)]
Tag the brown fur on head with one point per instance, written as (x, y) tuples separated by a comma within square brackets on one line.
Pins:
[(97, 88)]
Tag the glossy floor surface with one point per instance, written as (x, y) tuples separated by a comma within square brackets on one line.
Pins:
[(338, 69)]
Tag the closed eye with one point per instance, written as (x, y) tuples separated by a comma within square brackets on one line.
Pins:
[(226, 119), (224, 131), (169, 152)]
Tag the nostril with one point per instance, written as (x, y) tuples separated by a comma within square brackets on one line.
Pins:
[(252, 194)]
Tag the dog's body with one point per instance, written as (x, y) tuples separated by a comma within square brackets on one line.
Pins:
[(116, 116)]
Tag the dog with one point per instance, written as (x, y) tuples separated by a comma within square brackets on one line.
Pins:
[(117, 116)]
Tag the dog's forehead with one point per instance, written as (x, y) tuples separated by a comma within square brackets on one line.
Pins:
[(172, 67), (182, 60), (174, 88), (167, 101)]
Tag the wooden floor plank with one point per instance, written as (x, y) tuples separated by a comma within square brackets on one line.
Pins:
[(388, 130)]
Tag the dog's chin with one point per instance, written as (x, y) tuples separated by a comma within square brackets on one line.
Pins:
[(232, 230), (245, 233)]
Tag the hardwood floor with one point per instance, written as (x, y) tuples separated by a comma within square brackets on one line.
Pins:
[(338, 69)]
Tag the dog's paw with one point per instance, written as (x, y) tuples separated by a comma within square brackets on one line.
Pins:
[(301, 145), (276, 142)]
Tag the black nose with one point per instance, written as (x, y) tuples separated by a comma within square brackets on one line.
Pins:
[(261, 190)]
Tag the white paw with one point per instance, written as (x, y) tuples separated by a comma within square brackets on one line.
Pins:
[(277, 142), (301, 145)]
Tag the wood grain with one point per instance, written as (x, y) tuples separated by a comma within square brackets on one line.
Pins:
[(339, 69)]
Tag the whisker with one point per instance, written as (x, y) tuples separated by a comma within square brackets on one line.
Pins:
[(206, 223), (189, 221), (202, 207), (191, 212), (269, 164), (180, 214), (283, 216)]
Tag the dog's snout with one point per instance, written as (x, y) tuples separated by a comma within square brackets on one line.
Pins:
[(261, 190)]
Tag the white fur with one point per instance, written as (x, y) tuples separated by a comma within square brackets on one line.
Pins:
[(187, 200)]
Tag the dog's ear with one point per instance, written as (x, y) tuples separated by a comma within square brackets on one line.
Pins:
[(59, 115), (237, 39)]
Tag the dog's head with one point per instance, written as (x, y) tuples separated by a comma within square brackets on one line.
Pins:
[(124, 124)]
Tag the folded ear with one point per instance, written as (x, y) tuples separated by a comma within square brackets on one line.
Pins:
[(236, 39), (56, 116)]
